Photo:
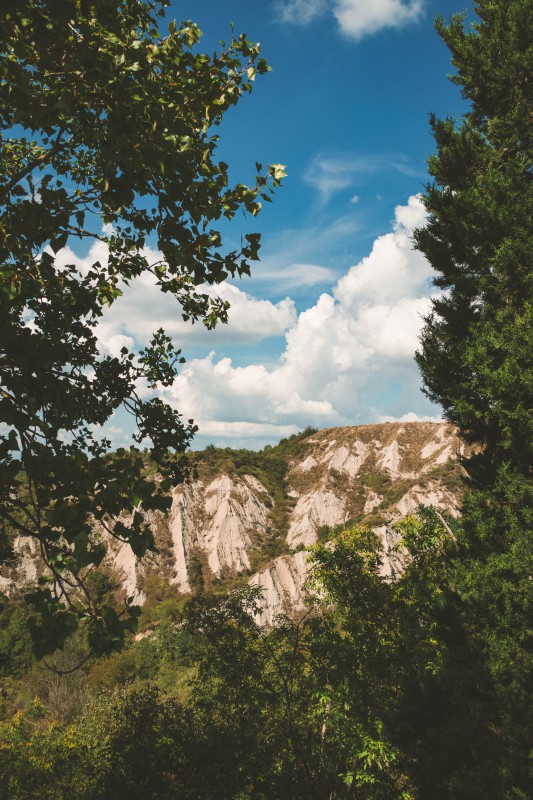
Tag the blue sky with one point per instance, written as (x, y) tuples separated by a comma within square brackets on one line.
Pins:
[(325, 330)]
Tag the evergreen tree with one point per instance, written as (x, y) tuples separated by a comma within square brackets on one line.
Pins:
[(476, 362), (477, 343)]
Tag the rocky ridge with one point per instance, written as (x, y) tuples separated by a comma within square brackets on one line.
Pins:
[(374, 474), (221, 526)]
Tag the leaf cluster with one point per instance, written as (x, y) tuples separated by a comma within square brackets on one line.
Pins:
[(107, 136)]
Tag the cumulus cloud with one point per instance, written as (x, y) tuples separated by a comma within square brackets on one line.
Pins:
[(347, 359), (356, 18), (143, 308), (393, 271), (66, 256)]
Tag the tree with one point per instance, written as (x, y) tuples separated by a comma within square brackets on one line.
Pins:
[(436, 667), (476, 347), (476, 361), (107, 132), (280, 712)]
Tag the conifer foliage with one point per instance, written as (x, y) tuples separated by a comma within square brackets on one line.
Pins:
[(477, 344), (476, 360)]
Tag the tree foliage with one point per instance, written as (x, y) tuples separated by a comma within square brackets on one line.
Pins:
[(476, 346), (405, 689), (108, 134), (476, 361)]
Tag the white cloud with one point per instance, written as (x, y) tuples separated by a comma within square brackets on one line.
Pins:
[(410, 417), (114, 343), (143, 308), (331, 173), (292, 276), (347, 359), (301, 11), (393, 270), (119, 436), (356, 18), (246, 430), (66, 256)]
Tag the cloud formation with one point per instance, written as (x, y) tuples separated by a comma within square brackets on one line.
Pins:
[(356, 18), (143, 308), (292, 275), (331, 173), (301, 11), (348, 359)]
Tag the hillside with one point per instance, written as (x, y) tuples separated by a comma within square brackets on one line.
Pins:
[(248, 516)]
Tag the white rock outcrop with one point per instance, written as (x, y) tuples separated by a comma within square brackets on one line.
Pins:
[(218, 521), (389, 459), (312, 511), (348, 461), (431, 495), (222, 521), (394, 560), (282, 584), (372, 501)]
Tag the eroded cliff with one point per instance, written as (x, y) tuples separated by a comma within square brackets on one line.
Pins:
[(238, 514)]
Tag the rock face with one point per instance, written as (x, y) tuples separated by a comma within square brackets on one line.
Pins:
[(349, 473), (220, 525), (374, 474), (213, 522), (282, 586)]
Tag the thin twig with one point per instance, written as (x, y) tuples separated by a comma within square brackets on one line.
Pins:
[(446, 526), (72, 669), (36, 162)]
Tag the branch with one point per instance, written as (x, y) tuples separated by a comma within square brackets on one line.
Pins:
[(35, 163), (72, 669), (446, 526), (81, 232)]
